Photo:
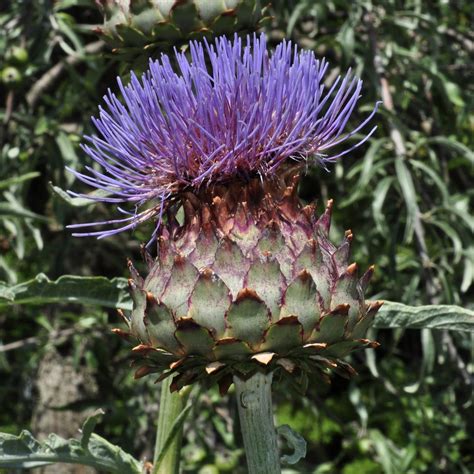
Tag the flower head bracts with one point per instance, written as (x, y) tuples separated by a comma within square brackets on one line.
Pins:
[(233, 111)]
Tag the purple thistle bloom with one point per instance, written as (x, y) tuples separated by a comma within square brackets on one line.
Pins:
[(245, 115)]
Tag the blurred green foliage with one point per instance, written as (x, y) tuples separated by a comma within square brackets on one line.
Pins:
[(406, 195)]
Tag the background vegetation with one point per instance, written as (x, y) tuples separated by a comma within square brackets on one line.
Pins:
[(406, 196)]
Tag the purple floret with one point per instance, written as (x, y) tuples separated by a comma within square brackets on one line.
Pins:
[(245, 115)]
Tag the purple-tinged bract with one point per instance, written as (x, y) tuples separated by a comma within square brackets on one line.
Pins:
[(232, 111)]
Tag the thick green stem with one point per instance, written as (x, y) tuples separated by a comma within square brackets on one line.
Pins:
[(254, 400), (171, 405)]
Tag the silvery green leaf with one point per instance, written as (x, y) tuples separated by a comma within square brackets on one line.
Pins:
[(68, 289), (26, 452), (451, 317)]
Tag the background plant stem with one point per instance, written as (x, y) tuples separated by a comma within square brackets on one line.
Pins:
[(171, 405), (254, 401)]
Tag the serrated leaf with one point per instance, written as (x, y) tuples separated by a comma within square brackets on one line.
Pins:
[(25, 452)]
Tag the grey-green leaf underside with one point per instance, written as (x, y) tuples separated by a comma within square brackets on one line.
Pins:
[(26, 452)]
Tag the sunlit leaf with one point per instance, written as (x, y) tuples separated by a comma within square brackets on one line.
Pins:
[(398, 315), (68, 289), (26, 452)]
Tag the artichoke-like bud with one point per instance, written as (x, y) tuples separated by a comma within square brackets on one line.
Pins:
[(131, 26), (249, 281)]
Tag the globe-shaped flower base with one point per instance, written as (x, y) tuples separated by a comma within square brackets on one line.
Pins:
[(248, 282)]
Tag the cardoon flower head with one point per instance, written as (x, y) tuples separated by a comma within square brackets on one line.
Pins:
[(249, 280), (233, 111)]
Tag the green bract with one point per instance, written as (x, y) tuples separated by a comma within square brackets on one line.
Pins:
[(248, 282), (147, 23)]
